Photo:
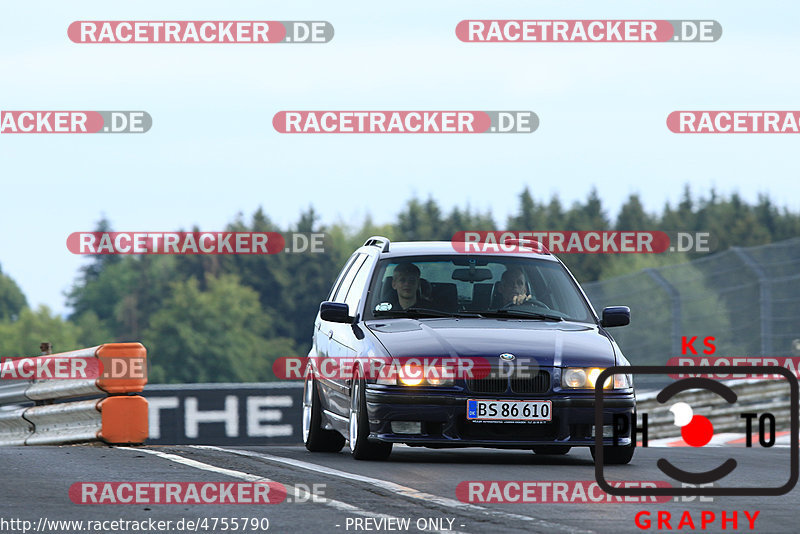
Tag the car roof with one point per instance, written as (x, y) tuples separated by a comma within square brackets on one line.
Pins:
[(398, 249)]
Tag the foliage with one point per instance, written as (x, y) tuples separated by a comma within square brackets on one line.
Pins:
[(226, 318), (220, 334)]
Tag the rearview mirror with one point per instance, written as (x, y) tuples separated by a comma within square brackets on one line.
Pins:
[(472, 275), (335, 312), (616, 316)]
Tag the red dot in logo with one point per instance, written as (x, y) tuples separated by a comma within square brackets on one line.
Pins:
[(698, 432)]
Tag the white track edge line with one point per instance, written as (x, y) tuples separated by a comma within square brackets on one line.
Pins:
[(338, 505), (397, 488)]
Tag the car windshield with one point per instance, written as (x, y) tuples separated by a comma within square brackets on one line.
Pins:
[(475, 286)]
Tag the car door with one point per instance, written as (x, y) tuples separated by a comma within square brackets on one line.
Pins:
[(329, 359), (323, 332), (344, 342)]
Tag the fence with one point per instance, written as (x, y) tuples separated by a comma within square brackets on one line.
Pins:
[(748, 299)]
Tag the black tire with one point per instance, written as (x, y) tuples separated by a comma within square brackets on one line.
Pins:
[(552, 449), (616, 455), (316, 438), (360, 447)]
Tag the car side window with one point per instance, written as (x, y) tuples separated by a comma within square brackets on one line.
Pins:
[(341, 276), (357, 287), (344, 287)]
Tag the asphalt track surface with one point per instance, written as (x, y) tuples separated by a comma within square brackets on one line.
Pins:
[(418, 484)]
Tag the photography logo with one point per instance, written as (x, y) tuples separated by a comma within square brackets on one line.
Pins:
[(698, 430)]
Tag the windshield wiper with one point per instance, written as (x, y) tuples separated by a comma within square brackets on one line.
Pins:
[(415, 311), (522, 314)]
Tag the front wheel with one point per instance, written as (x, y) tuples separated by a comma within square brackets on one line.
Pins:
[(618, 455), (316, 438), (360, 447)]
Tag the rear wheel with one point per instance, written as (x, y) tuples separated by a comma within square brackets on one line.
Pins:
[(551, 449), (360, 447), (316, 438)]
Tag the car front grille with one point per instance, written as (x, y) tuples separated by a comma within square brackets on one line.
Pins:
[(537, 383), (488, 385), (522, 382)]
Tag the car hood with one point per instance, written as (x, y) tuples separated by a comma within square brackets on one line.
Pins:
[(558, 344)]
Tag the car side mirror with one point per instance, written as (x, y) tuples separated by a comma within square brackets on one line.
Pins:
[(335, 312), (616, 316)]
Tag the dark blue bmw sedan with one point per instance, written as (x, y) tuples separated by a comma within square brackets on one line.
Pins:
[(421, 344)]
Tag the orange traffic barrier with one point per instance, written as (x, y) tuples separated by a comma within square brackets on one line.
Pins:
[(124, 367), (124, 420)]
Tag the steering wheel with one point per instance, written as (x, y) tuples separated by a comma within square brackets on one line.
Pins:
[(532, 301)]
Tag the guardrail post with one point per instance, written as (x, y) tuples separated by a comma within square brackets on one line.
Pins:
[(45, 348), (764, 297), (675, 301)]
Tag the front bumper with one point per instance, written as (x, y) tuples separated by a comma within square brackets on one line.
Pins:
[(444, 419)]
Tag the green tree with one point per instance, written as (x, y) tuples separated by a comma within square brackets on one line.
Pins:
[(684, 217), (23, 336), (175, 302), (555, 216), (531, 215), (92, 331), (581, 217), (632, 216), (12, 300), (420, 221), (218, 335)]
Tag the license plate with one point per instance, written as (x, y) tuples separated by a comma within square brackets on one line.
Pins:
[(502, 410)]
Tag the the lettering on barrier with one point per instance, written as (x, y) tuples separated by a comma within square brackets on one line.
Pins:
[(224, 415)]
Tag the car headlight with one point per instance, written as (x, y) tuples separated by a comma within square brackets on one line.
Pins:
[(586, 378), (439, 381), (573, 378), (410, 374)]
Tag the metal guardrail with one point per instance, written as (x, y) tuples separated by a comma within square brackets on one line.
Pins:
[(111, 414), (758, 396), (258, 413)]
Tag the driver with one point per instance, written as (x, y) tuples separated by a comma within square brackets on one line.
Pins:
[(512, 287), (406, 282)]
